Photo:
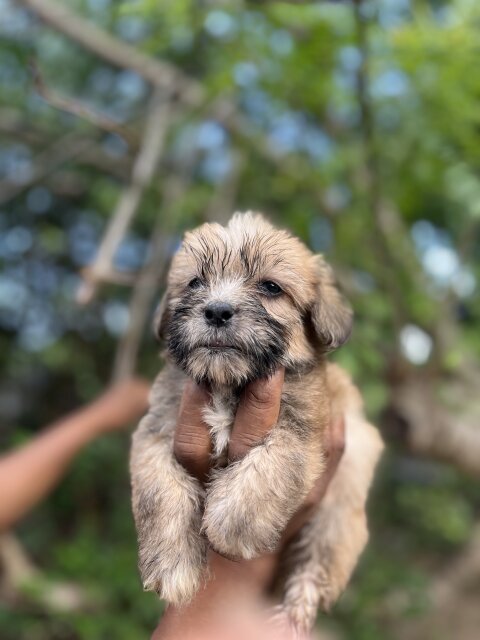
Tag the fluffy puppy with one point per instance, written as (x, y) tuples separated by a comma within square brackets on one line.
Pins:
[(241, 301)]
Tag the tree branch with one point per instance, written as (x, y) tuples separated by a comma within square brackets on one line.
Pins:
[(440, 419), (451, 596), (390, 239), (120, 54), (162, 75), (159, 73), (153, 273), (61, 151), (78, 109), (222, 203), (13, 125), (19, 575), (458, 575), (141, 300), (146, 162)]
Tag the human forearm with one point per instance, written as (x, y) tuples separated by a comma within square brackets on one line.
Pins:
[(28, 473)]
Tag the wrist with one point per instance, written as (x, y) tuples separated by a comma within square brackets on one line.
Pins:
[(234, 596), (91, 421), (254, 575)]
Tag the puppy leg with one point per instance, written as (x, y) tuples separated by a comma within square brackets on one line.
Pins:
[(319, 563), (167, 506), (249, 502)]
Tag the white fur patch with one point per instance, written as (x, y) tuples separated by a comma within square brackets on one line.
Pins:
[(219, 416)]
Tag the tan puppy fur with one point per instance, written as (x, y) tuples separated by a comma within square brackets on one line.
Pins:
[(241, 301)]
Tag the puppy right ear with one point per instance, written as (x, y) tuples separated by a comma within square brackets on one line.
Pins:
[(331, 314), (161, 316)]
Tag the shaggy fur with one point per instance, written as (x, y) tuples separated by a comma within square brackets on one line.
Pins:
[(248, 502)]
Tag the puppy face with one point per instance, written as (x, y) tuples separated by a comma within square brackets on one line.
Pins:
[(243, 299)]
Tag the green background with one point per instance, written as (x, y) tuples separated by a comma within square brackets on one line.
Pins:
[(362, 125)]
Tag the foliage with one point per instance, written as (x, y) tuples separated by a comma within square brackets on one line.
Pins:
[(394, 206)]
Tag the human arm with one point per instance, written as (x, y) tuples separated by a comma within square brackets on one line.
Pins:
[(29, 473)]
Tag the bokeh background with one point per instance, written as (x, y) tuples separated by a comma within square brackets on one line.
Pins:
[(356, 125)]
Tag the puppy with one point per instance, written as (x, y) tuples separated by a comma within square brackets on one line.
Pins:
[(241, 301)]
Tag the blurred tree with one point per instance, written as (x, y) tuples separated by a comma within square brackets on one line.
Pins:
[(353, 123)]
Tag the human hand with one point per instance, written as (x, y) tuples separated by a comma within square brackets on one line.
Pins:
[(257, 413), (233, 602), (119, 405)]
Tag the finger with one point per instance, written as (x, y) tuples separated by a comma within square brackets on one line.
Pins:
[(334, 448), (139, 389), (134, 394), (257, 413), (336, 445), (192, 438)]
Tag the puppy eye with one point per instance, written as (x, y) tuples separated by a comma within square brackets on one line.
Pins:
[(195, 283), (271, 288)]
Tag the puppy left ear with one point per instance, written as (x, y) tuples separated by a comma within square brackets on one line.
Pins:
[(160, 318), (332, 316)]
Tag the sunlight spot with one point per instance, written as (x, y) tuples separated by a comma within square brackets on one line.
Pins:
[(416, 344)]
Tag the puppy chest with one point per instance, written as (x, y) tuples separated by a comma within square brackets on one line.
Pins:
[(219, 416)]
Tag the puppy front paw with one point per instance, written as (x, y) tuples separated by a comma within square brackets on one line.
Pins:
[(176, 573), (236, 535), (172, 550), (243, 519)]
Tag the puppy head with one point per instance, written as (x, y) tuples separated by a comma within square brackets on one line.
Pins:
[(243, 299)]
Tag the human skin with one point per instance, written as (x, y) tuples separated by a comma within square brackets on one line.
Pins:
[(234, 603), (29, 473)]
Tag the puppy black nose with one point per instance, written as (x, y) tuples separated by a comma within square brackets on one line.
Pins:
[(218, 314)]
